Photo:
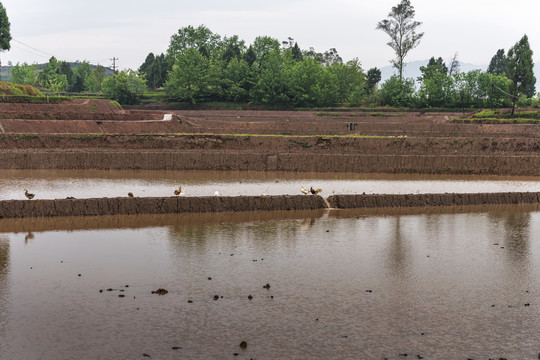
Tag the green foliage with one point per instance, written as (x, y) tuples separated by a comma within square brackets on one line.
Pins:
[(237, 81), (193, 77), (24, 74), (520, 70), (124, 87), (155, 69), (7, 88), (51, 79), (81, 77), (396, 92), (5, 33), (433, 68), (271, 85), (373, 77), (95, 80), (201, 39), (437, 89), (498, 64)]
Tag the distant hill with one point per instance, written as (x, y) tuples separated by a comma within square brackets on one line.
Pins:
[(5, 70), (412, 70)]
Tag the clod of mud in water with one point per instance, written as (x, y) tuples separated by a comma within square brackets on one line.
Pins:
[(160, 291), (209, 278), (176, 348), (267, 286), (216, 297), (243, 345), (121, 295), (250, 297)]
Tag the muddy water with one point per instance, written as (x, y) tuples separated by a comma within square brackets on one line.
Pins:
[(343, 285), (57, 184)]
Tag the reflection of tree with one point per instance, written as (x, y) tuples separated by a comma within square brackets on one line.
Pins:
[(4, 272), (399, 259), (516, 228)]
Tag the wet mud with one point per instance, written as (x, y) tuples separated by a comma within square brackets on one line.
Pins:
[(174, 205)]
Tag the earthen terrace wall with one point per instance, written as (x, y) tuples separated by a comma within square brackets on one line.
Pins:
[(171, 205)]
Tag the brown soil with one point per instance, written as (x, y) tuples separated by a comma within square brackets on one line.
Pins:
[(172, 205), (96, 134)]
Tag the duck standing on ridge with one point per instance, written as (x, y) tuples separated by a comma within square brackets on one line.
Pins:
[(313, 191), (28, 195)]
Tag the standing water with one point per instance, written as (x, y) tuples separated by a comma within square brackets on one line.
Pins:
[(435, 284)]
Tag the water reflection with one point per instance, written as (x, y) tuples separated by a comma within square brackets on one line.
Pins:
[(366, 283), (4, 290)]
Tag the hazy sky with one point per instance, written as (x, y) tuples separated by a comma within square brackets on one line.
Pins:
[(99, 30)]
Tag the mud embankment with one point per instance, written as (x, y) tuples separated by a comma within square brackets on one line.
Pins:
[(254, 161), (424, 200), (174, 205), (168, 205)]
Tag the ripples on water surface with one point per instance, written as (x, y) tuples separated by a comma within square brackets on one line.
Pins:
[(446, 284), (57, 184)]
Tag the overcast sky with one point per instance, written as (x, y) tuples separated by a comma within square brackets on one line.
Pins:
[(99, 30)]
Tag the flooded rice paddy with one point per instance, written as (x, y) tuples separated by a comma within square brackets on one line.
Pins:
[(57, 184), (446, 283)]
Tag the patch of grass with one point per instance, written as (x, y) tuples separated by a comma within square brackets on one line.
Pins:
[(302, 144), (26, 136)]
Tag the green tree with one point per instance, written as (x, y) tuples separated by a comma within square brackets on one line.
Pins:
[(124, 87), (264, 46), (520, 71), (498, 64), (232, 48), (24, 74), (437, 90), (271, 80), (397, 92), (495, 88), (201, 39), (50, 77), (96, 79), (401, 28), (434, 66), (349, 80), (65, 68), (237, 81), (372, 79), (305, 82), (81, 77), (192, 78), (5, 33)]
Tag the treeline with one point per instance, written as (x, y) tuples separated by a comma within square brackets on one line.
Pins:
[(60, 76), (201, 66)]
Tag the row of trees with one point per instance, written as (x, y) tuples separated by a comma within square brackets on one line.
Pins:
[(204, 66), (509, 77), (60, 76)]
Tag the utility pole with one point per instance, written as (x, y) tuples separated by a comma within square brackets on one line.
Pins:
[(114, 64)]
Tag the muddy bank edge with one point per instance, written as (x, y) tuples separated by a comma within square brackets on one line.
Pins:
[(171, 205)]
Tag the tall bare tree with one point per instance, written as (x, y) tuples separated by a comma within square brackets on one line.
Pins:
[(401, 28)]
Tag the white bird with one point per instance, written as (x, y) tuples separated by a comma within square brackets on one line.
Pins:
[(216, 193), (304, 190)]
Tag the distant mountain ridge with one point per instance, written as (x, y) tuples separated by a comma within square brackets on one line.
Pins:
[(412, 70)]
